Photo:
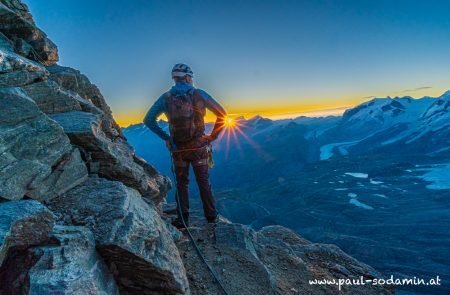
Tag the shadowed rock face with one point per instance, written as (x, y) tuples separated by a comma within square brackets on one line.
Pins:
[(130, 236), (23, 224), (19, 8), (70, 266), (37, 158), (37, 258)]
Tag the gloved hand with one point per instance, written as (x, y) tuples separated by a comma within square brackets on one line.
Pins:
[(208, 138)]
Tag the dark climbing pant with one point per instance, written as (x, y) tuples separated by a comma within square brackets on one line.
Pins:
[(197, 158)]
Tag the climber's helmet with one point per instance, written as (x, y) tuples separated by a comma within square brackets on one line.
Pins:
[(181, 70)]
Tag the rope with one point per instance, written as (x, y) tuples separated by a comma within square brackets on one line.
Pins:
[(191, 149), (191, 238), (37, 56)]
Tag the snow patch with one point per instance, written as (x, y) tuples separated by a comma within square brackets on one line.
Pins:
[(360, 205), (375, 182), (357, 174), (381, 196), (326, 151), (438, 175)]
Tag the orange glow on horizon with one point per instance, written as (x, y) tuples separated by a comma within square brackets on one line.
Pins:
[(277, 109), (125, 120)]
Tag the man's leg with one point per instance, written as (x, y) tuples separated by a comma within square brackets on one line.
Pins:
[(209, 205), (182, 175)]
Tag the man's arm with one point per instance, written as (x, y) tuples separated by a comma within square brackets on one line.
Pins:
[(212, 105), (151, 118)]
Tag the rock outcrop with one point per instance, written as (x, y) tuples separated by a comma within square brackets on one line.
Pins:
[(113, 160), (130, 235), (37, 159), (58, 143), (273, 260), (73, 80), (80, 213), (18, 26), (15, 70)]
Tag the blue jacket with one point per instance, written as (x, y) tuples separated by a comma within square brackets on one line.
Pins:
[(159, 108)]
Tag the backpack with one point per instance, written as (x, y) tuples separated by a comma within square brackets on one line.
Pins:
[(182, 116)]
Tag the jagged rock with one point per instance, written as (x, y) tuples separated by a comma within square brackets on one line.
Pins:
[(113, 160), (73, 80), (37, 159), (130, 236), (17, 25), (163, 182), (274, 260), (51, 99), (16, 70), (23, 223), (19, 8), (37, 258), (70, 266)]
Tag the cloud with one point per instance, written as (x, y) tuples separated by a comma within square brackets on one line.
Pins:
[(417, 89), (403, 91)]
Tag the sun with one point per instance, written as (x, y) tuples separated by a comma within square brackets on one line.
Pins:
[(229, 122)]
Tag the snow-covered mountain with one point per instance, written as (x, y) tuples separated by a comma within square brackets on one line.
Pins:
[(400, 124)]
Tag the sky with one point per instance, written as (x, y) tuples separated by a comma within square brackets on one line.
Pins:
[(275, 58)]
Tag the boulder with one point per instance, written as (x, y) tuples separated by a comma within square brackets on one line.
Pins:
[(37, 257), (23, 223), (130, 236), (16, 70), (274, 260), (17, 25), (114, 160), (36, 159), (70, 266), (72, 80)]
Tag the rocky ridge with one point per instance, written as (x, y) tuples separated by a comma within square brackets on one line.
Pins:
[(80, 213)]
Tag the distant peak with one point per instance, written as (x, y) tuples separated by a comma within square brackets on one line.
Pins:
[(254, 118), (446, 94)]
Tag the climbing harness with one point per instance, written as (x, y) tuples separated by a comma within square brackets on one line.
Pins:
[(191, 238), (209, 150)]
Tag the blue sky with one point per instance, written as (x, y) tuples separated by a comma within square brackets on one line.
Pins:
[(276, 58)]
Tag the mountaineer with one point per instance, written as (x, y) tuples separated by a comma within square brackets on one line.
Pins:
[(185, 108)]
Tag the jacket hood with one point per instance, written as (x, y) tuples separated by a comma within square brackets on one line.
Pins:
[(181, 88)]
